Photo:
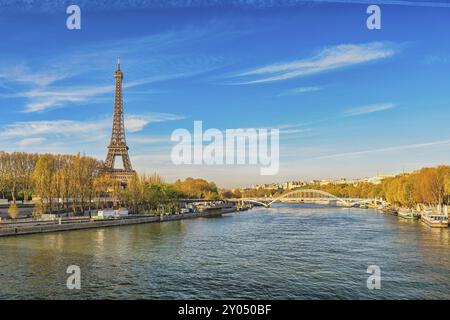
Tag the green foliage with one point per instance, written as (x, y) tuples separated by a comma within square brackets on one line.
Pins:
[(65, 177), (150, 195), (197, 189)]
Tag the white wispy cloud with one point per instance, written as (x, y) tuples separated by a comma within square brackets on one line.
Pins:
[(22, 74), (328, 59), (31, 141), (85, 75), (135, 123), (90, 136), (293, 129), (388, 149), (88, 128), (56, 128), (43, 99), (146, 139), (369, 109), (300, 90)]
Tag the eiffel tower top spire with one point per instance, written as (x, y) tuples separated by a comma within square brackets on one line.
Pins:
[(118, 145), (118, 74)]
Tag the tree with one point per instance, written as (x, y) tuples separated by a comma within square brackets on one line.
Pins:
[(28, 162), (42, 180), (430, 186), (101, 185), (3, 175), (197, 188), (12, 174), (133, 194)]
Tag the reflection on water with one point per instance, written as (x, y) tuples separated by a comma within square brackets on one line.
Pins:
[(289, 251)]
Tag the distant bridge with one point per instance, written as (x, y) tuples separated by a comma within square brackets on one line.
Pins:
[(305, 195)]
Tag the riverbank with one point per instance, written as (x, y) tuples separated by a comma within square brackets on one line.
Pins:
[(433, 217), (15, 229)]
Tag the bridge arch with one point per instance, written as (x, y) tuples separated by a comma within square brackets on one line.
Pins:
[(265, 204), (300, 191), (323, 193)]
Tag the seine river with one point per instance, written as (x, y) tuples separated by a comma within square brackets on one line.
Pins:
[(286, 252)]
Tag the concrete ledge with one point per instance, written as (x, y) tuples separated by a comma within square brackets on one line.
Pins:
[(22, 230)]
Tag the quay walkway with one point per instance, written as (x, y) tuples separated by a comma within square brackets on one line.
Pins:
[(32, 227)]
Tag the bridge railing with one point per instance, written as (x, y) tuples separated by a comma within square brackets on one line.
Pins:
[(307, 196)]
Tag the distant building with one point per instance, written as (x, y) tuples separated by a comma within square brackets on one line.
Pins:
[(295, 184), (378, 179), (290, 185), (325, 182)]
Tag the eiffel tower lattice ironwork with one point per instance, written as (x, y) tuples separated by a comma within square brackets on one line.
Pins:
[(118, 145)]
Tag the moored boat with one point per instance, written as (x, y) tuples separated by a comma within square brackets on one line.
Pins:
[(408, 214), (435, 220)]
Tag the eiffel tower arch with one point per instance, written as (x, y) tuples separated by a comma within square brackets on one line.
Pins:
[(118, 145)]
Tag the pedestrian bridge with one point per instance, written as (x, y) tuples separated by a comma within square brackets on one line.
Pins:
[(305, 195)]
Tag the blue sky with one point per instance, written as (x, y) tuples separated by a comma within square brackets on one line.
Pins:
[(349, 102)]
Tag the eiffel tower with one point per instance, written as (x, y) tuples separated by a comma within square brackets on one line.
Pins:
[(118, 145)]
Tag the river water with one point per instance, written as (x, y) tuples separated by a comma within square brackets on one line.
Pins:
[(285, 252)]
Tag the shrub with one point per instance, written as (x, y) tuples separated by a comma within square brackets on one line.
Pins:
[(13, 211)]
